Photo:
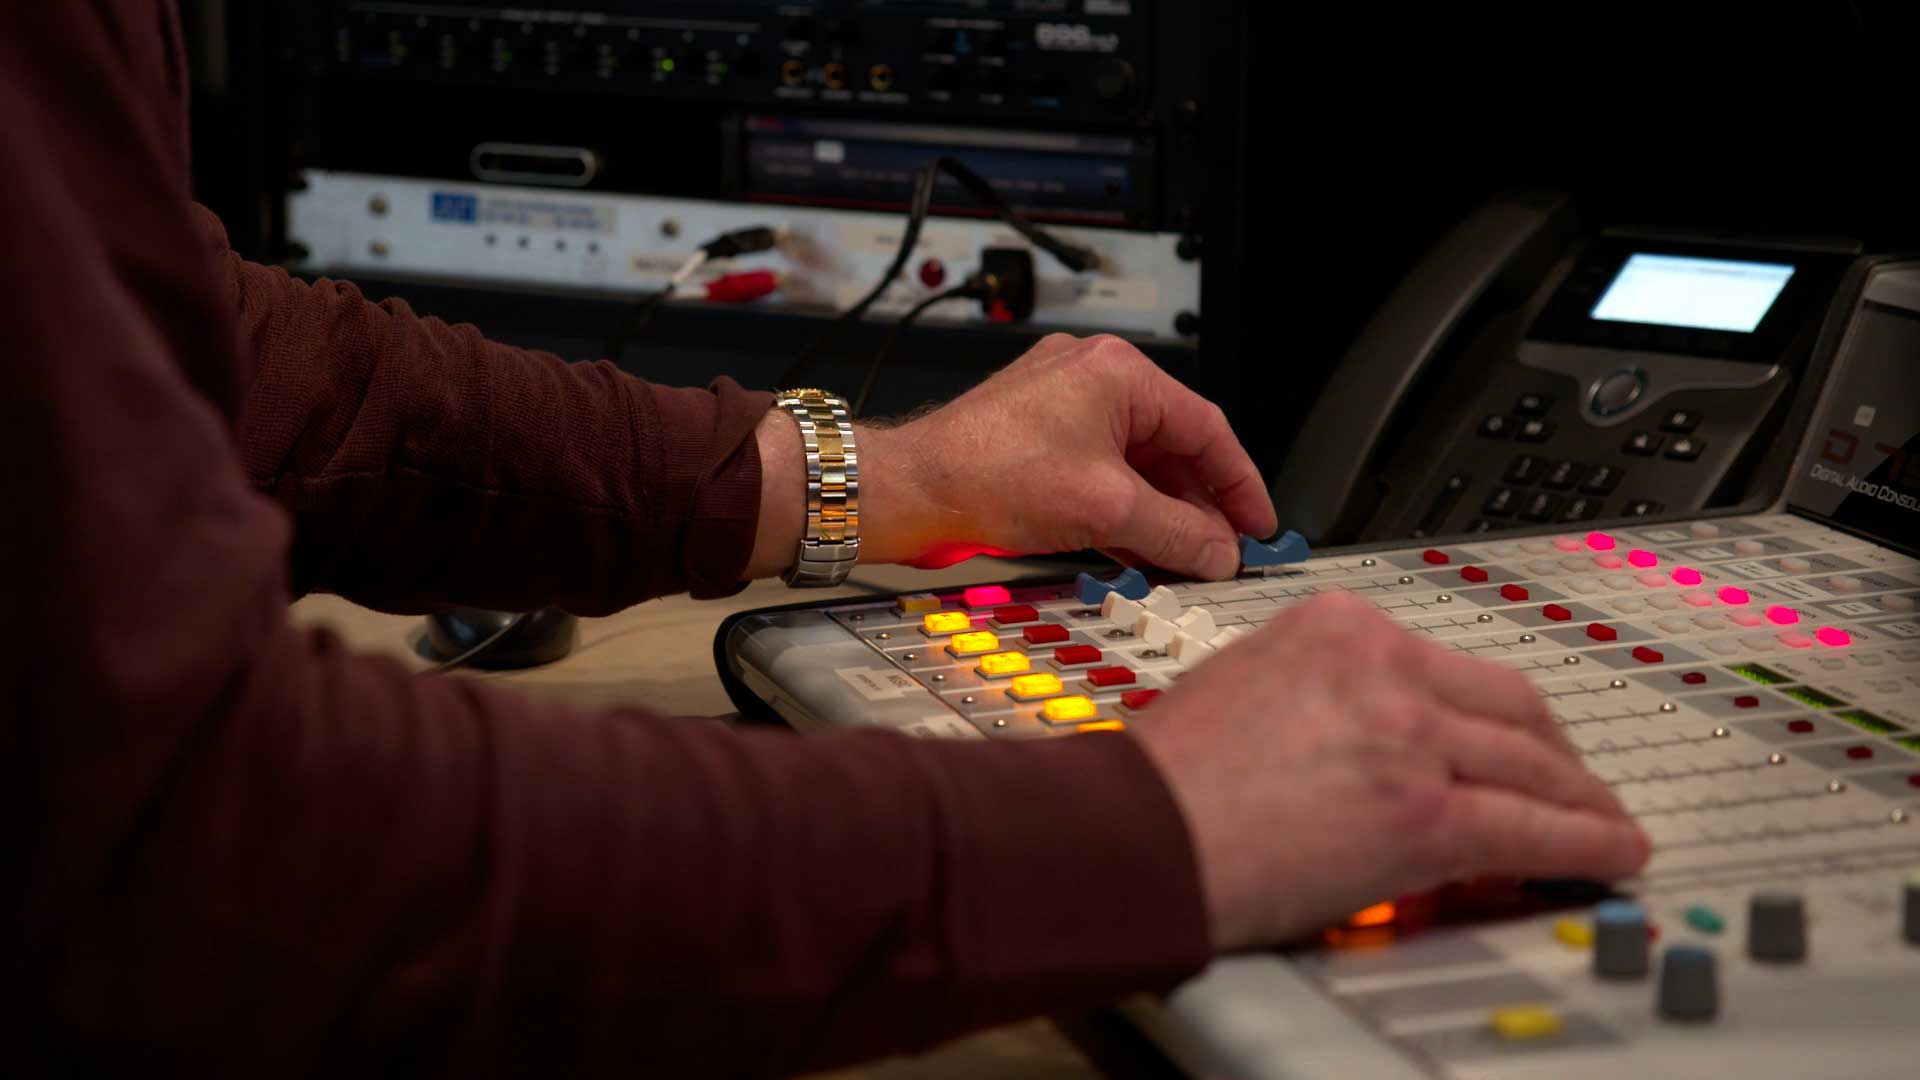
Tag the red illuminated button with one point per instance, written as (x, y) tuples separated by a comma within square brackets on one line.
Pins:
[(1016, 613), (1601, 632), (1435, 556), (1800, 727), (1045, 634), (1556, 613), (1110, 676), (1513, 592), (1694, 678), (933, 273), (1070, 655), (1648, 656), (986, 596), (1473, 574), (1138, 699), (1746, 701), (1860, 753)]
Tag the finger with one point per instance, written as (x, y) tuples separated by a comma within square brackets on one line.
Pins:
[(1486, 754), (1480, 688), (1178, 536), (1491, 831), (1183, 423)]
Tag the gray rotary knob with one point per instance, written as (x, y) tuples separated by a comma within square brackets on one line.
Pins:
[(1619, 940), (1689, 983), (1777, 927)]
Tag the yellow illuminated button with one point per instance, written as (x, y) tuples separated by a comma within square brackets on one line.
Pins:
[(1032, 686), (1573, 932), (1066, 710), (1102, 725), (945, 622), (1005, 663), (1519, 1023), (977, 642), (917, 603)]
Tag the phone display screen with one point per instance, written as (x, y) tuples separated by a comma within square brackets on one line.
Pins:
[(1702, 294)]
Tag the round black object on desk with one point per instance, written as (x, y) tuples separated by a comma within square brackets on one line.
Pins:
[(1613, 393), (475, 637)]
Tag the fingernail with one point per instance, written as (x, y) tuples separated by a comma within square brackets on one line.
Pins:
[(1219, 561)]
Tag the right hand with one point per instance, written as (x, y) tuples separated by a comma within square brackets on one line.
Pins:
[(1332, 760)]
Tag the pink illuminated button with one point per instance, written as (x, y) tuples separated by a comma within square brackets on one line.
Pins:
[(1731, 595), (1780, 615), (1698, 598), (1686, 575), (1794, 639), (1652, 579), (984, 596), (1608, 562), (1566, 543), (1833, 636), (1598, 541), (1642, 558), (1746, 618)]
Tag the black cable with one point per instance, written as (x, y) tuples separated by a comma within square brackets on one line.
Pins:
[(972, 288), (479, 647), (632, 319), (1074, 258), (635, 316)]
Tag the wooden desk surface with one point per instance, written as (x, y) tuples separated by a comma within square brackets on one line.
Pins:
[(659, 654)]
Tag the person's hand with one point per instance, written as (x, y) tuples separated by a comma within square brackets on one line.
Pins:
[(1332, 760), (1078, 444)]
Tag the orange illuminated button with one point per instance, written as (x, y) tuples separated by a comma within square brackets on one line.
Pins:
[(1110, 676), (1378, 915), (1045, 634), (1473, 574), (1067, 710), (1004, 663), (1037, 685), (945, 622), (979, 641), (1101, 725)]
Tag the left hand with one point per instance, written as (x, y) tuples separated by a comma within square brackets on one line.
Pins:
[(1081, 443)]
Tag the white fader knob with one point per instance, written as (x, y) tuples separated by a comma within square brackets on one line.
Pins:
[(1197, 622), (1162, 602), (1155, 631), (1189, 650), (1120, 610)]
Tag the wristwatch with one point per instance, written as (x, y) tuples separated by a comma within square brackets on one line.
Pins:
[(831, 544)]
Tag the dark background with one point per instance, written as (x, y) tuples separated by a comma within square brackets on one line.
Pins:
[(1364, 131)]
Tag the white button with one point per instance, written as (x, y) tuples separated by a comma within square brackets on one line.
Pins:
[(1897, 603), (1705, 530), (1566, 543), (1664, 601), (1759, 642), (1535, 547), (1672, 624), (1617, 582), (1629, 605), (1501, 551), (1575, 563), (1652, 579), (1794, 639), (1543, 568), (1794, 564), (1697, 598), (1710, 622), (1723, 646), (1844, 583), (1746, 617), (1584, 586), (1749, 547)]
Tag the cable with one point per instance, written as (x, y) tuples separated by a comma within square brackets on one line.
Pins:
[(639, 312), (973, 288), (1076, 259), (479, 647)]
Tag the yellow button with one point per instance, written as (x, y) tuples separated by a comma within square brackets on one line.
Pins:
[(1102, 725), (1573, 932), (1004, 663), (1063, 710), (977, 642), (946, 622), (1037, 685), (917, 603), (1518, 1023)]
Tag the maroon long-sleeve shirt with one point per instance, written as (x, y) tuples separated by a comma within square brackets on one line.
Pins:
[(229, 843)]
